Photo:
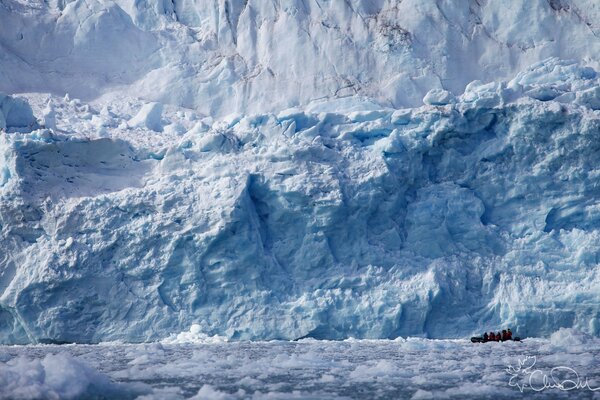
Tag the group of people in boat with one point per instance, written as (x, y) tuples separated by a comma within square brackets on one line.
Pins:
[(498, 337)]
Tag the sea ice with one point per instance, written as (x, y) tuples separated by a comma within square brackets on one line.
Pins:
[(59, 376), (411, 368)]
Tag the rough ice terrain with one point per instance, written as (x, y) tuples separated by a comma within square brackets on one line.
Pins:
[(292, 169), (131, 222), (412, 368)]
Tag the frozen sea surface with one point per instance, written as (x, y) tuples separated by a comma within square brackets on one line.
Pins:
[(412, 368)]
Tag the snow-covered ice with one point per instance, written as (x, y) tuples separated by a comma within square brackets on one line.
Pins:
[(411, 368), (255, 56)]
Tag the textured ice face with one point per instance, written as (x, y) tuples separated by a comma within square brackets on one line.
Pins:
[(437, 221), (256, 56)]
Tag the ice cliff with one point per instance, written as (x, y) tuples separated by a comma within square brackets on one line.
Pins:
[(268, 170), (437, 221)]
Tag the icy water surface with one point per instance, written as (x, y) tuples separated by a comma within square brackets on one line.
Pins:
[(411, 369)]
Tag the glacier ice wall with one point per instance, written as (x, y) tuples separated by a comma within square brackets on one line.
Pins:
[(255, 56), (477, 212)]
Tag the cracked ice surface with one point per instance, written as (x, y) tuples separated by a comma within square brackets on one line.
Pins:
[(436, 221)]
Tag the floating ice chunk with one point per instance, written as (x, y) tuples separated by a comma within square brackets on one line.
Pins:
[(438, 97), (69, 243), (194, 335), (149, 117), (207, 392), (422, 395), (4, 175), (380, 369), (59, 376), (99, 121)]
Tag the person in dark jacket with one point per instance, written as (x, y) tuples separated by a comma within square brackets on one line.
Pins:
[(485, 337), (504, 335)]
